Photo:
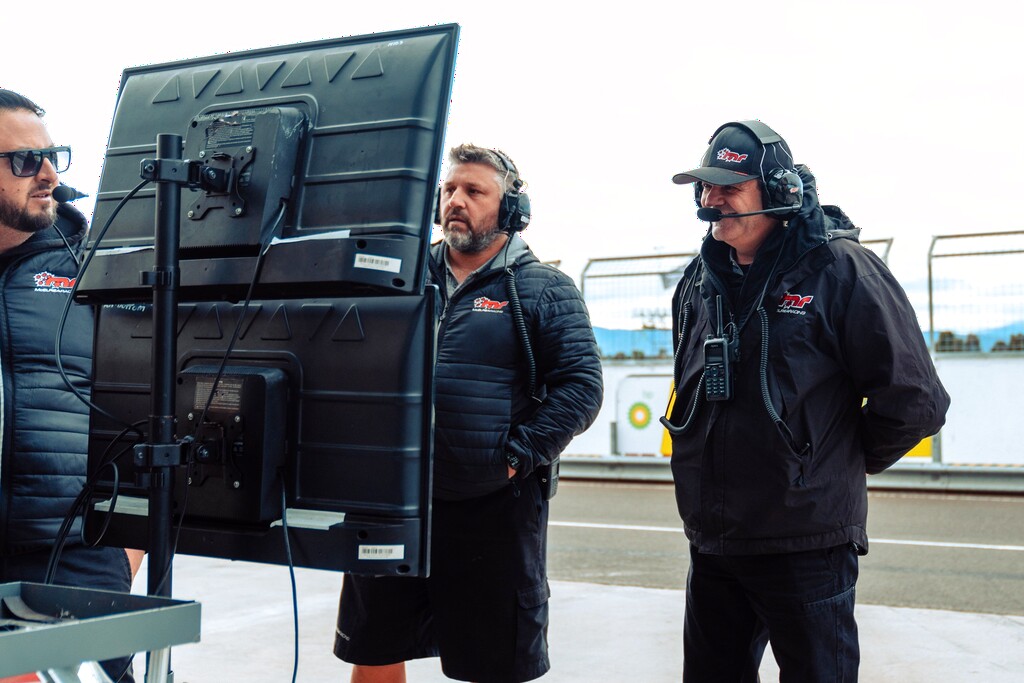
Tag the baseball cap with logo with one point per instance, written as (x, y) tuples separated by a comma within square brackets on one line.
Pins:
[(734, 155)]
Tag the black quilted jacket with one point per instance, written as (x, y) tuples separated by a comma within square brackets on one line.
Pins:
[(482, 407), (45, 427)]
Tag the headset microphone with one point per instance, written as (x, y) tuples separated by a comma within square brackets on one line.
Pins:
[(64, 194), (781, 187), (714, 215)]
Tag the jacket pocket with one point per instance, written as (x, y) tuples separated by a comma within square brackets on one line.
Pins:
[(797, 455), (534, 596)]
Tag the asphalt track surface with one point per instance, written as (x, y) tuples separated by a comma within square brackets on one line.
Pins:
[(941, 597), (934, 551)]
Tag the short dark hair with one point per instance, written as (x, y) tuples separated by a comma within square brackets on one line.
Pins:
[(10, 101)]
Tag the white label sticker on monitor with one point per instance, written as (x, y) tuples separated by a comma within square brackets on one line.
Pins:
[(391, 265), (382, 552)]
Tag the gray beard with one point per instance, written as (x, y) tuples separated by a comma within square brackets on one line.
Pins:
[(471, 242), (22, 221)]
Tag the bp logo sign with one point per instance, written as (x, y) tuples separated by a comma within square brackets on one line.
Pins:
[(639, 415)]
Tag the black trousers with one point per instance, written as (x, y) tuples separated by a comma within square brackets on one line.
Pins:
[(800, 602)]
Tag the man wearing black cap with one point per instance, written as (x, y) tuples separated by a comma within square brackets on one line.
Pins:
[(799, 369)]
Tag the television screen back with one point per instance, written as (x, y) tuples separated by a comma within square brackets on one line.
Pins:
[(324, 157)]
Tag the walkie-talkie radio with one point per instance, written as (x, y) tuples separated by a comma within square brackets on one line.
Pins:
[(717, 370)]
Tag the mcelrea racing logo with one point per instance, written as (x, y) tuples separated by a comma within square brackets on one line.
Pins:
[(485, 305), (48, 282), (794, 303), (726, 154)]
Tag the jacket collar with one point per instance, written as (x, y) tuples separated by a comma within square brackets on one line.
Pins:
[(812, 227), (518, 253)]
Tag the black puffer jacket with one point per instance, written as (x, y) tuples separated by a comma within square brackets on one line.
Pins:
[(481, 403), (781, 467), (45, 427)]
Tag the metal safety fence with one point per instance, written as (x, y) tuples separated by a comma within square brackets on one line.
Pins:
[(630, 297), (975, 303), (976, 292)]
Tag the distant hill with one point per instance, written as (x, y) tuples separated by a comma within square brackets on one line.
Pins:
[(634, 343), (987, 339), (658, 343)]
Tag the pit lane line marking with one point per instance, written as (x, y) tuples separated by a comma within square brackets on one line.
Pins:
[(889, 541)]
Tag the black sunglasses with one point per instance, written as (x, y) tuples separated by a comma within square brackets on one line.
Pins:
[(26, 163)]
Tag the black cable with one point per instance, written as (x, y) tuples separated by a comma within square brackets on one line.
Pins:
[(127, 666), (685, 310), (213, 388), (763, 365), (685, 427), (84, 495), (666, 419), (61, 538), (759, 301), (71, 297), (115, 491), (291, 573), (524, 337), (67, 245), (88, 489), (519, 321), (756, 306), (765, 395), (684, 333)]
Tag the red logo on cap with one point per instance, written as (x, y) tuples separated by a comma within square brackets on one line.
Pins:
[(726, 154)]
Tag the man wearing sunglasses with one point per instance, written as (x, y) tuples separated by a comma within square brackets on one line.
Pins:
[(43, 425), (26, 204)]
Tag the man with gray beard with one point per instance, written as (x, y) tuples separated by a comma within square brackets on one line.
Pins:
[(517, 376)]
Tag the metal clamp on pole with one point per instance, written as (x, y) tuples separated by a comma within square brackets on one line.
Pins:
[(160, 278), (191, 174), (151, 455)]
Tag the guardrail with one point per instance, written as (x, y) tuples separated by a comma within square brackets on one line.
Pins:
[(975, 307), (1007, 479)]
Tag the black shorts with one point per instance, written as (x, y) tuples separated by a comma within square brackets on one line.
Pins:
[(484, 608)]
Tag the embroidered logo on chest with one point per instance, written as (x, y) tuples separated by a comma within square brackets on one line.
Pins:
[(48, 282), (485, 305), (794, 304)]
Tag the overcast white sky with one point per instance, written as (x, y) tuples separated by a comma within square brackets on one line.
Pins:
[(909, 113)]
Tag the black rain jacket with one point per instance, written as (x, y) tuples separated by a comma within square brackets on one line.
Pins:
[(481, 404), (833, 381), (45, 427)]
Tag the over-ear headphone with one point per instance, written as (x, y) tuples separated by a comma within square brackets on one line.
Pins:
[(781, 184), (514, 209), (514, 212)]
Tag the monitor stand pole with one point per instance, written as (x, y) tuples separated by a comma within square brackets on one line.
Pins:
[(162, 454)]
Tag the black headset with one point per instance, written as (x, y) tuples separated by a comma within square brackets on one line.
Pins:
[(514, 212), (514, 209), (782, 187)]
